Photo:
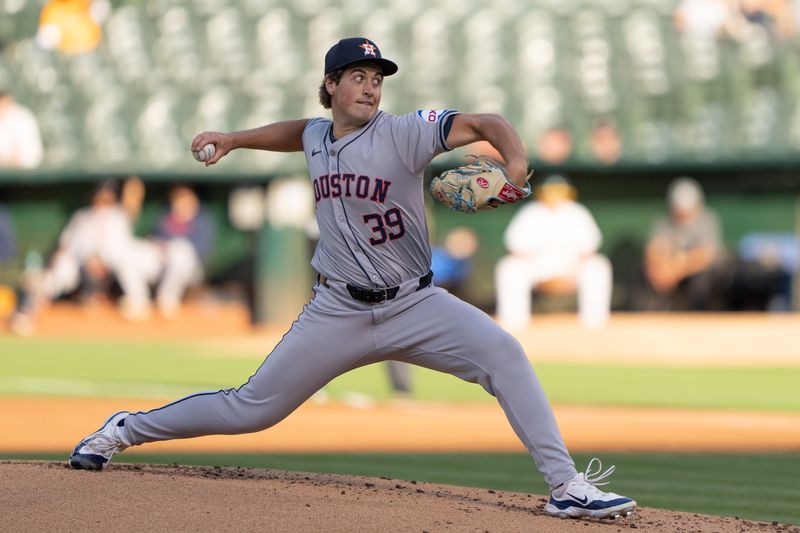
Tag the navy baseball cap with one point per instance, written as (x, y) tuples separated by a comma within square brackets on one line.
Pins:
[(354, 50)]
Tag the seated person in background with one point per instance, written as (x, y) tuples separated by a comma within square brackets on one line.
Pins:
[(20, 139), (171, 260), (186, 234), (765, 265), (553, 243), (452, 262), (8, 241), (91, 246), (684, 254), (8, 251), (605, 142)]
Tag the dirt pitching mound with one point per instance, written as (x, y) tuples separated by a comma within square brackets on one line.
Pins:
[(47, 496)]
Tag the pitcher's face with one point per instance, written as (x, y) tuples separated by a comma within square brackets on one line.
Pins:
[(358, 94)]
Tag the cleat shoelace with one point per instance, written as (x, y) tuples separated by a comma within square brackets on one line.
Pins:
[(594, 476)]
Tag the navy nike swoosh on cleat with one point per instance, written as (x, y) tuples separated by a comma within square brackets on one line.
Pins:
[(594, 505), (581, 501), (315, 152)]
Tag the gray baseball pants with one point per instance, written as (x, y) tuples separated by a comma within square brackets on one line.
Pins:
[(335, 334)]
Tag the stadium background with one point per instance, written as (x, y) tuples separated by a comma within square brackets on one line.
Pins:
[(722, 110)]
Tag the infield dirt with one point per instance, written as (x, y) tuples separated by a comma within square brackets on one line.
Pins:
[(40, 496), (47, 496)]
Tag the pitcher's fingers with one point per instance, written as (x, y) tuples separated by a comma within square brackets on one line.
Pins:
[(217, 156), (203, 139), (196, 142)]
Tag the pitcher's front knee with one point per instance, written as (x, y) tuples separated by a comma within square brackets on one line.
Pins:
[(507, 360), (505, 348)]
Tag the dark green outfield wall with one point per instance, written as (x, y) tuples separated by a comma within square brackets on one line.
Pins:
[(624, 203)]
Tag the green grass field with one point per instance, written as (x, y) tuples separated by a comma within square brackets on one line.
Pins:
[(753, 486), (82, 368)]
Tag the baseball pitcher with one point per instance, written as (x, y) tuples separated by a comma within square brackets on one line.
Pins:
[(375, 298)]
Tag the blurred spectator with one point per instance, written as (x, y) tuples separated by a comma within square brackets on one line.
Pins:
[(451, 262), (684, 256), (72, 26), (553, 243), (8, 250), (605, 142), (171, 260), (93, 244), (773, 15), (554, 145), (98, 245), (20, 140), (187, 235), (765, 266), (707, 19), (794, 13), (8, 241), (132, 197)]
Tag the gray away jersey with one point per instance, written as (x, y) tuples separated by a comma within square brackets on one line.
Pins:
[(369, 196)]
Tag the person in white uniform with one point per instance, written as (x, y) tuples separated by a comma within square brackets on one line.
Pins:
[(20, 138), (90, 247), (553, 244)]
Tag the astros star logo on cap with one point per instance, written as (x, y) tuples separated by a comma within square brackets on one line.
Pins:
[(369, 48)]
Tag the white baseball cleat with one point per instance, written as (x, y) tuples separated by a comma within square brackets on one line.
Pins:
[(580, 497), (95, 451)]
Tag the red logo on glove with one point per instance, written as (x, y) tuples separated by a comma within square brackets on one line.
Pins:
[(483, 183), (510, 194)]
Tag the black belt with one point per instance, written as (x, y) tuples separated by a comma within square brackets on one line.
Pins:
[(376, 296)]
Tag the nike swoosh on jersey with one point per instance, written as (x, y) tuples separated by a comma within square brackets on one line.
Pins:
[(315, 152)]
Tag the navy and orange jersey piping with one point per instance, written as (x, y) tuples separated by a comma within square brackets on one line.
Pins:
[(344, 209), (227, 391), (445, 125)]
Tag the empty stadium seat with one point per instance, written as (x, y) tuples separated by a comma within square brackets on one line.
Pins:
[(169, 68)]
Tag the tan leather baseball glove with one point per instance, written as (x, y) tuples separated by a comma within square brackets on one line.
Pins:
[(482, 184)]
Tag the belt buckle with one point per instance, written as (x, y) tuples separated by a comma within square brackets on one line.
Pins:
[(383, 295)]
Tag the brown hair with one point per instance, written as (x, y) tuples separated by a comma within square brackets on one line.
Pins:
[(324, 96)]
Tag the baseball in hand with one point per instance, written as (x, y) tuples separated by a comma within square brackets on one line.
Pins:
[(205, 153)]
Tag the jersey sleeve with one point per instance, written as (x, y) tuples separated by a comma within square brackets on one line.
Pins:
[(313, 131), (422, 135)]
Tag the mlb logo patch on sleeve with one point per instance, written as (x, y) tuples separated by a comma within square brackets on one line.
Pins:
[(431, 115)]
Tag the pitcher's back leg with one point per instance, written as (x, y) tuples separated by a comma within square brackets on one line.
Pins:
[(308, 356)]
